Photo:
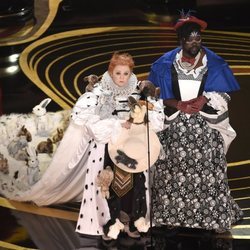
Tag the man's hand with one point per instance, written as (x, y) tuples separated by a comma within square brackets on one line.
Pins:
[(192, 106), (187, 107), (200, 101)]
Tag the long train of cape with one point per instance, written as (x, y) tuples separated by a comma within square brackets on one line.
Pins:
[(63, 179)]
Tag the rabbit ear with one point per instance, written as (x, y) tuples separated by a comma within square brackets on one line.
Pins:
[(45, 102)]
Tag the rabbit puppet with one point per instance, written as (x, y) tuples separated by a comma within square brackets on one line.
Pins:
[(33, 170), (41, 118), (46, 122)]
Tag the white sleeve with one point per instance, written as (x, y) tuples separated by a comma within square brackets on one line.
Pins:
[(220, 121), (218, 100), (105, 130), (157, 116), (85, 109)]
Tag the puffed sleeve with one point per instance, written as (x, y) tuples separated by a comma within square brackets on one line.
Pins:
[(156, 115), (85, 109), (220, 120), (104, 130)]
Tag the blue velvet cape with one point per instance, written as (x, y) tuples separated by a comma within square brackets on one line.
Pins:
[(220, 77)]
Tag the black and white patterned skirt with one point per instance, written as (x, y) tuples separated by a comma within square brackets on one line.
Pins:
[(190, 183)]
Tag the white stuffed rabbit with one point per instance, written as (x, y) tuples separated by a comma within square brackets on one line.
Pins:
[(41, 119), (33, 170), (47, 122), (40, 109)]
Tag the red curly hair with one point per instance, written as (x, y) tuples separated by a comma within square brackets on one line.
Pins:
[(121, 58)]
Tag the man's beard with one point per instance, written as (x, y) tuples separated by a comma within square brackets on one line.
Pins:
[(193, 51)]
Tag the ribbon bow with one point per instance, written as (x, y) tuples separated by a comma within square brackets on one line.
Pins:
[(188, 60)]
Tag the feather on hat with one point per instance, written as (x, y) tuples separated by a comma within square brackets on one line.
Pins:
[(188, 18)]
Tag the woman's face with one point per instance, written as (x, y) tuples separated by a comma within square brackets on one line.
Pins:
[(121, 75)]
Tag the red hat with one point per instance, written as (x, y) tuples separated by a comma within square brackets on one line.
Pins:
[(186, 18)]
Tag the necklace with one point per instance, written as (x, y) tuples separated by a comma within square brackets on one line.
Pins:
[(187, 65)]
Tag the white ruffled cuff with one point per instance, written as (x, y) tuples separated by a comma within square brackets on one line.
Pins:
[(115, 229), (142, 225), (156, 116)]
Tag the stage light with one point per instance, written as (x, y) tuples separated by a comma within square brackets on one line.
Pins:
[(12, 69), (13, 58)]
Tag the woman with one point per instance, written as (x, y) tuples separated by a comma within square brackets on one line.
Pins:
[(96, 119), (113, 113), (191, 187)]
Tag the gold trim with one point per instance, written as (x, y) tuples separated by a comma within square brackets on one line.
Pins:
[(242, 198), (7, 245), (66, 103), (238, 163), (239, 179), (32, 208), (53, 6), (241, 188)]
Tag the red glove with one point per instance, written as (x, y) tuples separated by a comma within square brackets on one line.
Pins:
[(199, 102), (192, 106), (187, 107)]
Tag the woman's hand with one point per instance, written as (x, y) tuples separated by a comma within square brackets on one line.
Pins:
[(126, 124)]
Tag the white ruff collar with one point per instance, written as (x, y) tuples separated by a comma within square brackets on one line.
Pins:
[(108, 84)]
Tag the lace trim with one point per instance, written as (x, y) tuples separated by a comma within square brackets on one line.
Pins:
[(194, 72), (108, 84)]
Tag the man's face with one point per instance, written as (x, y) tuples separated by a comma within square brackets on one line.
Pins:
[(191, 45)]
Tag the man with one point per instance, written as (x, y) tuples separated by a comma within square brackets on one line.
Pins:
[(191, 188)]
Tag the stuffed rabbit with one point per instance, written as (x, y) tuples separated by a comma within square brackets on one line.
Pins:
[(41, 119), (91, 80), (45, 146), (46, 122), (33, 170), (4, 167), (104, 180), (40, 109), (57, 137), (19, 143)]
